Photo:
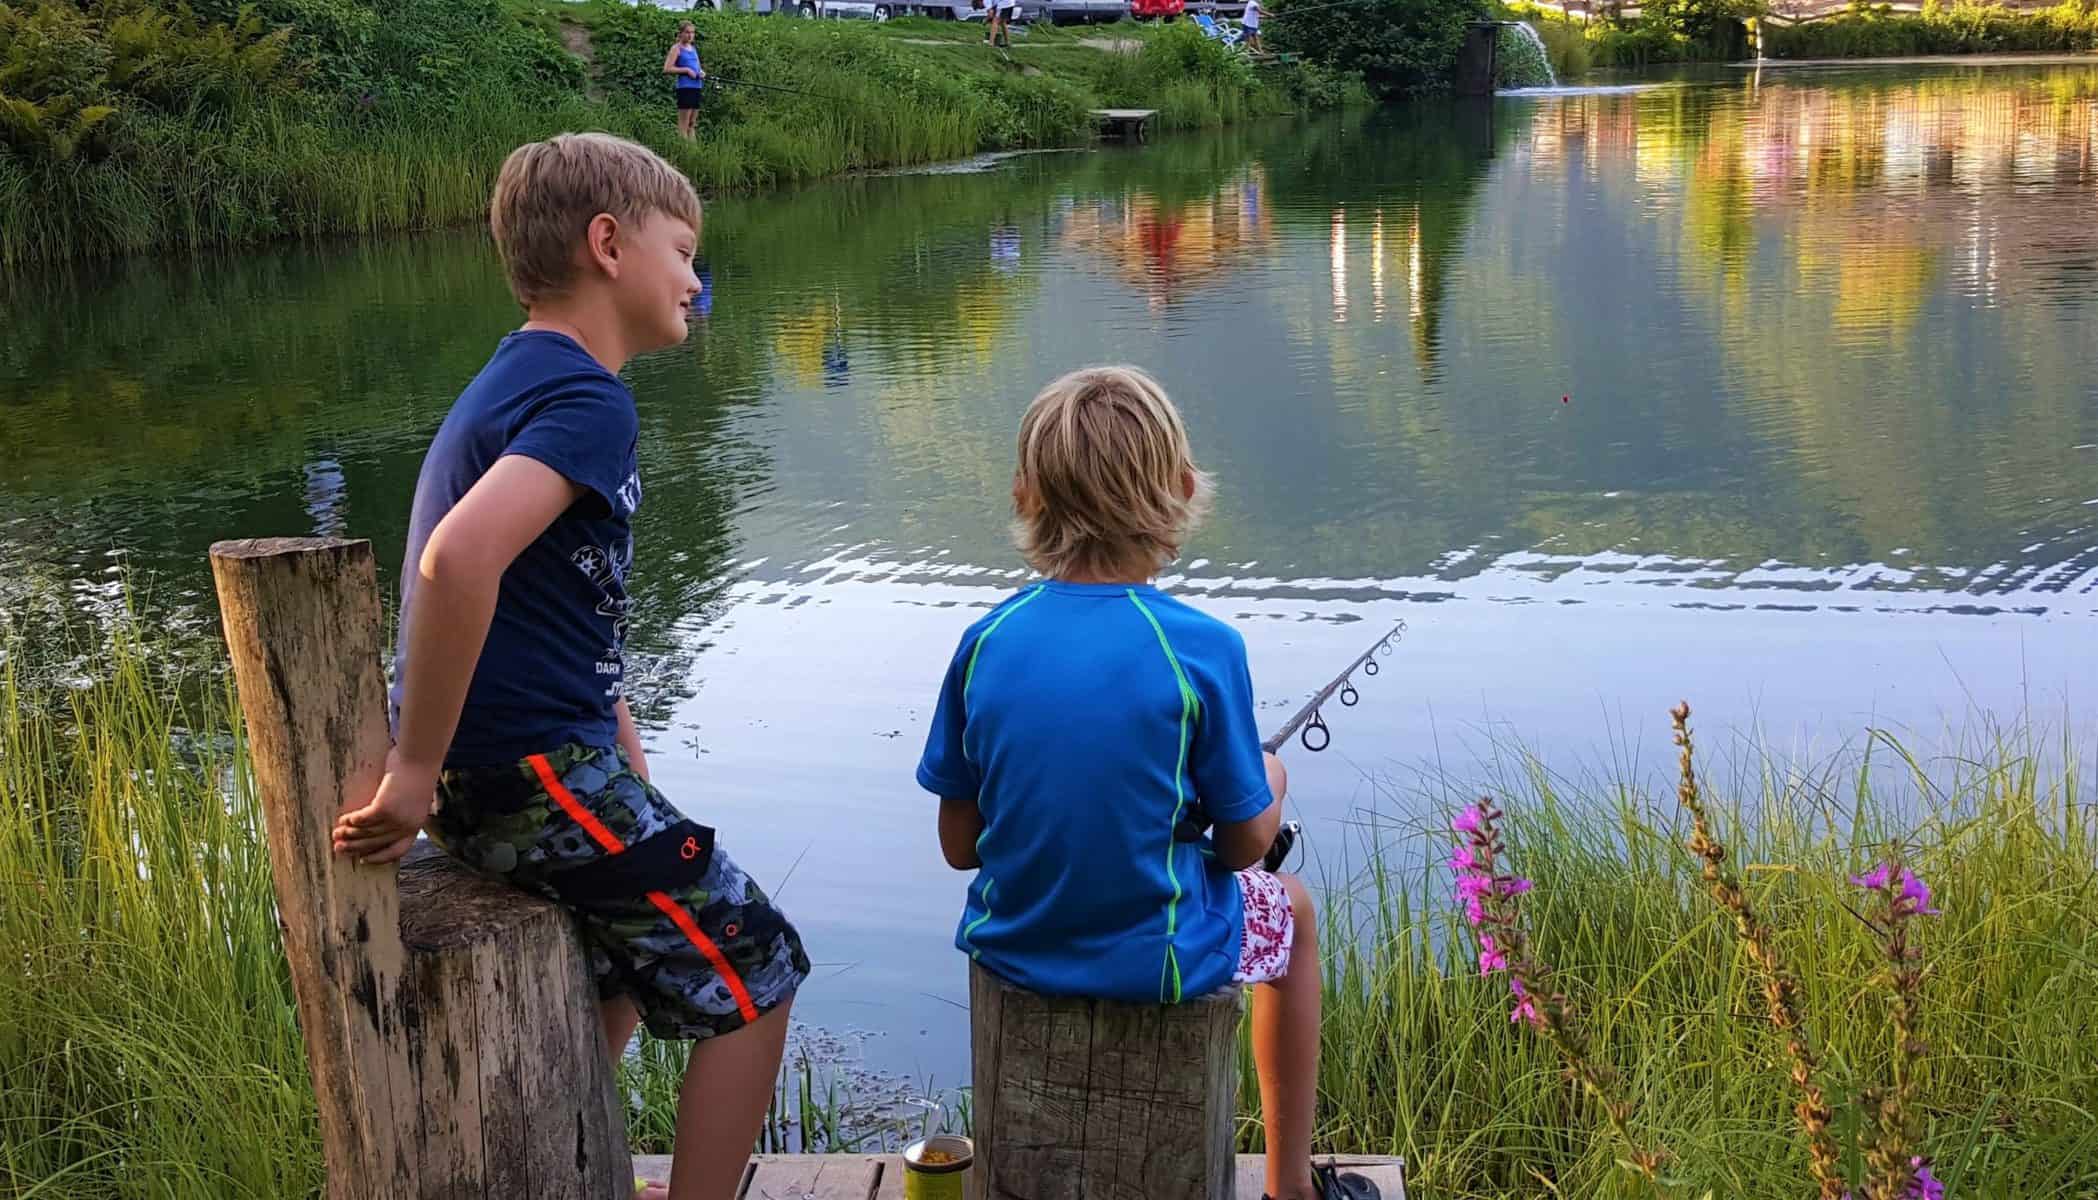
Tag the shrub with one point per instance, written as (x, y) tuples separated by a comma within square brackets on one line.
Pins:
[(1398, 47), (1964, 28)]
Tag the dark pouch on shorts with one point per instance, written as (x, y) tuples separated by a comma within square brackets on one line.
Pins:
[(671, 859)]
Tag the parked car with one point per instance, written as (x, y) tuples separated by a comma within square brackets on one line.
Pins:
[(1156, 10), (1073, 12)]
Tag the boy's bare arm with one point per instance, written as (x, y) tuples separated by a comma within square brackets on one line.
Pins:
[(461, 568), (961, 823), (630, 741), (1241, 845)]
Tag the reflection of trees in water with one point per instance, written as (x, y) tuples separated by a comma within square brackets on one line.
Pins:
[(162, 405), (1895, 279)]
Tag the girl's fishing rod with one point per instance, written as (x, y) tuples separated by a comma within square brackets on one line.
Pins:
[(1290, 10), (1308, 719), (1309, 726), (773, 87)]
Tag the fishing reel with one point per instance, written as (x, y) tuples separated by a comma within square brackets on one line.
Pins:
[(1192, 830)]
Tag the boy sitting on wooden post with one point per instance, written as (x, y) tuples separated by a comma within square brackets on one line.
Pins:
[(508, 710), (1085, 720)]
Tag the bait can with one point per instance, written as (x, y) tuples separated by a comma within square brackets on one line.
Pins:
[(935, 1168)]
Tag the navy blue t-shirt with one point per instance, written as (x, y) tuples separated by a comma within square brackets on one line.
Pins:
[(551, 670), (1086, 720)]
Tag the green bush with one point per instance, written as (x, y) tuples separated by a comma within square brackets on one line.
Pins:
[(1964, 28), (1638, 43), (1397, 47)]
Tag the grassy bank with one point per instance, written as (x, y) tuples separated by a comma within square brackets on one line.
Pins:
[(150, 1046), (1421, 1057), (1707, 33), (125, 127), (1866, 31)]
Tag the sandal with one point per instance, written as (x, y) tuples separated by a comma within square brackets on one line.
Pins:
[(1331, 1183)]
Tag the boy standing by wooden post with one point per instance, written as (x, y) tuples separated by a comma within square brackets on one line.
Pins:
[(513, 741)]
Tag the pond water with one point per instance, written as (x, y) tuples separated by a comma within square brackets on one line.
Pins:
[(1776, 390)]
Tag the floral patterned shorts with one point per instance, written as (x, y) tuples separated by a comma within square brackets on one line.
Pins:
[(1271, 925)]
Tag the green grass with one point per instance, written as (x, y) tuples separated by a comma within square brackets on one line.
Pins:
[(1420, 1059), (149, 1045), (1962, 28), (791, 100)]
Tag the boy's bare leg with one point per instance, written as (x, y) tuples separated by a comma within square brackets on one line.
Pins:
[(1286, 1054), (620, 1018), (721, 1106)]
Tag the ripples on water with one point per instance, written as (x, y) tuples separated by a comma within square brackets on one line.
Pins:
[(1779, 391)]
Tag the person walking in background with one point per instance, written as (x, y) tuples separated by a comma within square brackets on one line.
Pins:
[(683, 62), (1000, 31), (1250, 22)]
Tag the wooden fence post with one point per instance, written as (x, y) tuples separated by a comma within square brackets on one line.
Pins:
[(449, 1020), (1093, 1100)]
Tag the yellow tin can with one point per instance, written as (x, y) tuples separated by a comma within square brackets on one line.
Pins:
[(936, 1168)]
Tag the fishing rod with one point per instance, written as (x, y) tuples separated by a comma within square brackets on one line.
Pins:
[(1307, 724), (1290, 10), (1307, 718), (773, 87)]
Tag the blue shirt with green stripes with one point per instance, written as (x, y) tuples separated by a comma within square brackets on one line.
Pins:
[(1086, 720)]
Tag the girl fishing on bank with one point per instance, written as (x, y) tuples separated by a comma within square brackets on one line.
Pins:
[(683, 62)]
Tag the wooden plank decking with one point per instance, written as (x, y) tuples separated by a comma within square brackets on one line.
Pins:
[(1125, 122), (880, 1177)]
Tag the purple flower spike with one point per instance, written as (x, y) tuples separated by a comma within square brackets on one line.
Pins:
[(1467, 821), (1917, 893), (1462, 859), (1874, 879), (1515, 886), (1925, 1186), (1474, 911)]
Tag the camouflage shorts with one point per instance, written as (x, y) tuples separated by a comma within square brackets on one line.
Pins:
[(669, 920)]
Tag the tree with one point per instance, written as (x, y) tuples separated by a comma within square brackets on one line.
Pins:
[(1400, 47)]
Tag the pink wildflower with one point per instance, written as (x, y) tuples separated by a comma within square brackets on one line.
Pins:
[(1874, 879), (1467, 821), (1524, 1010), (1462, 859), (1515, 886), (1490, 957), (1917, 892), (1474, 886), (1475, 910)]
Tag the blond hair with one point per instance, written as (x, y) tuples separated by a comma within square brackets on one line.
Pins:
[(548, 193), (1102, 485)]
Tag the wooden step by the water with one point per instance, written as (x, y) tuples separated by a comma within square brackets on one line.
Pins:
[(880, 1176), (1133, 123)]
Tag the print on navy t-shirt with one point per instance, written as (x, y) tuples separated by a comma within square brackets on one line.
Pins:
[(553, 666)]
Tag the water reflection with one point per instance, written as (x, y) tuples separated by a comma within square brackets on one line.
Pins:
[(1779, 392)]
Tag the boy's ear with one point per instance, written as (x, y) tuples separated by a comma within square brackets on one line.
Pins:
[(601, 244), (1024, 503), (1187, 485)]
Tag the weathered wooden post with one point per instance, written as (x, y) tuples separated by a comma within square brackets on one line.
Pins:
[(449, 1020), (1094, 1100)]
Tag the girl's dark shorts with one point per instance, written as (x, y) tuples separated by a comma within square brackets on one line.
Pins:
[(689, 97)]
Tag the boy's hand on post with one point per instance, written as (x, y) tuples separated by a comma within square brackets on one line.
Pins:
[(384, 829)]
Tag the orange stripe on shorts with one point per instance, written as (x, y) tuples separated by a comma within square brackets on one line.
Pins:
[(690, 928), (576, 812), (669, 907)]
